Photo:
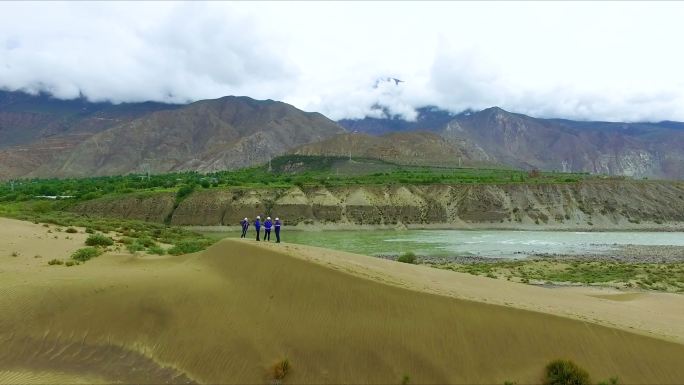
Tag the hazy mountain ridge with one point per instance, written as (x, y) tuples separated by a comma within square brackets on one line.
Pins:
[(208, 135), (44, 137), (41, 136), (633, 149)]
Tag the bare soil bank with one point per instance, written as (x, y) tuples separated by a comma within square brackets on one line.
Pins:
[(595, 205), (228, 314)]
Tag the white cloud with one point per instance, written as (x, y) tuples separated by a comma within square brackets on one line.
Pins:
[(585, 60)]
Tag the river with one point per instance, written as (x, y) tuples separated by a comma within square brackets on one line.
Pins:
[(485, 243)]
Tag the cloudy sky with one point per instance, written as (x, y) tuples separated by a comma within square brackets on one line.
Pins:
[(585, 60)]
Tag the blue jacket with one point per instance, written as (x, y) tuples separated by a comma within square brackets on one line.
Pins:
[(244, 223), (268, 224), (277, 224), (257, 224)]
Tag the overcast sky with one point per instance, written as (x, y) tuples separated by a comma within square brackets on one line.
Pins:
[(585, 60)]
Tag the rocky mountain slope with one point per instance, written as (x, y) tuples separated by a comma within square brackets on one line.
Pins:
[(26, 118), (219, 134), (411, 148), (586, 205), (36, 130), (633, 149)]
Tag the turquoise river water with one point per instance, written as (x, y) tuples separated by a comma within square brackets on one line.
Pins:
[(486, 243)]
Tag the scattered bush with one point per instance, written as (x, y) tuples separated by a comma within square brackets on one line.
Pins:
[(99, 240), (71, 230), (86, 253), (565, 372), (408, 257), (15, 254), (156, 249), (55, 262), (88, 230), (146, 241), (405, 380), (280, 369), (134, 247), (189, 246), (70, 263)]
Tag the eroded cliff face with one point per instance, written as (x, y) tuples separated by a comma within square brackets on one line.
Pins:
[(144, 207), (600, 204)]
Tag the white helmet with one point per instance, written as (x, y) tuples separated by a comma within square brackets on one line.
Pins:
[(268, 218), (246, 219), (258, 217), (277, 219)]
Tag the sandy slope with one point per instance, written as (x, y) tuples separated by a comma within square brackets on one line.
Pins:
[(28, 240), (651, 313), (227, 314)]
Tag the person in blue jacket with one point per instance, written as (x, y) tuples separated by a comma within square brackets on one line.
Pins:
[(245, 226), (267, 229), (257, 225), (277, 229)]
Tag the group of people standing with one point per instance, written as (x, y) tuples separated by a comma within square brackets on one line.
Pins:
[(268, 225)]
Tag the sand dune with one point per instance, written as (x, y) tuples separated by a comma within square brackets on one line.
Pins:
[(651, 313), (227, 314)]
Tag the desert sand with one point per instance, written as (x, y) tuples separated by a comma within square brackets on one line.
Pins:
[(227, 314), (651, 313)]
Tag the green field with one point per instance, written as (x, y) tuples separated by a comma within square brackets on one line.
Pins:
[(285, 171)]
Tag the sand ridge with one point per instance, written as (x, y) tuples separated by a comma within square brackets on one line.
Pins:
[(656, 314)]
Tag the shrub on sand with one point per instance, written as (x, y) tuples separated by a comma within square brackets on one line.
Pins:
[(99, 240), (156, 249), (85, 254), (134, 247), (189, 246), (565, 372), (408, 257), (55, 262), (71, 230)]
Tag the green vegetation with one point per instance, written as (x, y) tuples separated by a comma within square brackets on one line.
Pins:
[(408, 257), (652, 276), (286, 171), (86, 253), (189, 246), (146, 235), (99, 240), (71, 230), (134, 246), (156, 249), (55, 262), (565, 372)]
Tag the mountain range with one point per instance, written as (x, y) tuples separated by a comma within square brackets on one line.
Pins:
[(41, 136)]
